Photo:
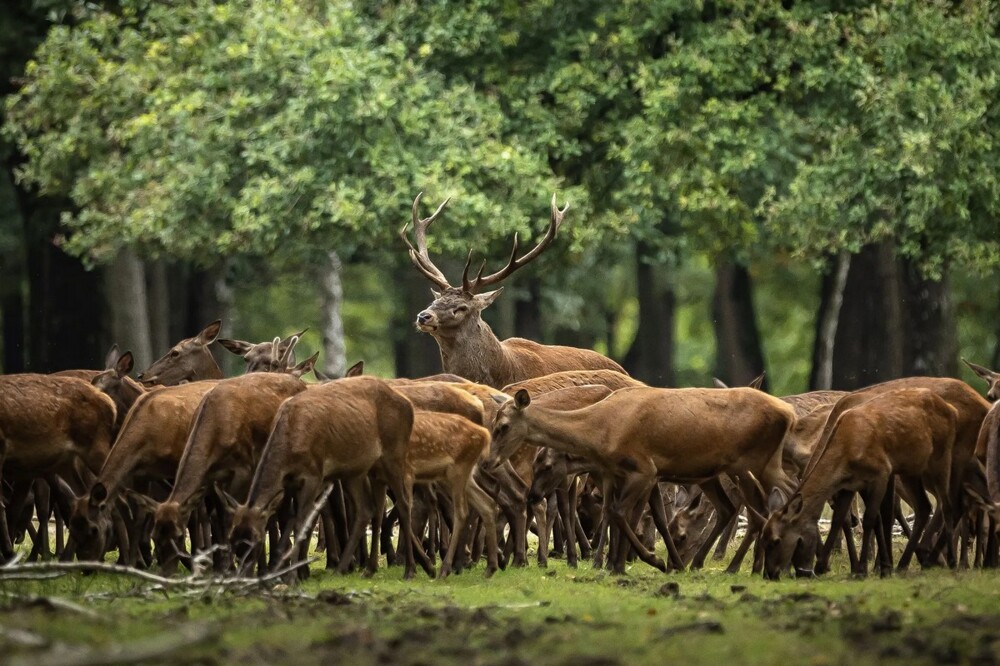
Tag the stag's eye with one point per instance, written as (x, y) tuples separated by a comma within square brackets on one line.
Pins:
[(501, 430), (461, 309), (174, 353)]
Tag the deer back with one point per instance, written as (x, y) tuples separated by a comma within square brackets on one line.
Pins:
[(612, 379), (442, 397)]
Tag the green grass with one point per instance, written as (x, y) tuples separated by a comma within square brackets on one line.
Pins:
[(529, 615)]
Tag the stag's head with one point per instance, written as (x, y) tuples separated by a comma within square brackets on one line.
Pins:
[(691, 516), (249, 524), (550, 470), (455, 308), (992, 378), (264, 356), (510, 430), (186, 361)]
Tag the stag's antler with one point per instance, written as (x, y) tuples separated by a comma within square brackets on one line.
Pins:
[(418, 255), (514, 262)]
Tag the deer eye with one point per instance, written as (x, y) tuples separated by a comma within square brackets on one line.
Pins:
[(501, 430), (174, 353), (461, 309)]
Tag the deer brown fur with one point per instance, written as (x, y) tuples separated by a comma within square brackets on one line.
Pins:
[(187, 361), (646, 434), (904, 432)]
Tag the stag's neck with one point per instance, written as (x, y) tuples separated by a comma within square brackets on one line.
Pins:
[(475, 352), (575, 432)]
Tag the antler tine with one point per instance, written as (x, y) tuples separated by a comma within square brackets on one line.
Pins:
[(289, 351), (514, 262), (467, 286), (418, 254)]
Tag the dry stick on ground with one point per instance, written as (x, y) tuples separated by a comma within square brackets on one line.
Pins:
[(158, 648), (307, 527)]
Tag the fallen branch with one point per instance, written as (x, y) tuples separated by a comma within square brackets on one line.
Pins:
[(156, 648), (305, 532)]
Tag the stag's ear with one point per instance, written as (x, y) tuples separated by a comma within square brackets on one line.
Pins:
[(148, 504), (719, 383), (356, 370), (758, 381), (112, 357), (776, 500), (65, 489), (211, 332), (795, 505), (227, 499), (98, 494), (486, 299), (435, 294), (985, 373), (238, 347), (273, 505), (522, 399), (304, 367), (500, 398), (124, 364)]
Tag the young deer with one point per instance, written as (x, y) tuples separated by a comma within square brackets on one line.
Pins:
[(469, 348), (907, 433)]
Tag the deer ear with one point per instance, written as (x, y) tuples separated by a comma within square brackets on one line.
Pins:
[(146, 503), (274, 504), (435, 294), (986, 374), (776, 500), (98, 494), (681, 498), (758, 381), (522, 399), (356, 370), (238, 347), (795, 505), (305, 366), (227, 499), (124, 364), (485, 299), (112, 357), (211, 332), (500, 398), (719, 383)]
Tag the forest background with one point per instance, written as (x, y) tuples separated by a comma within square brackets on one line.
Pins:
[(810, 188)]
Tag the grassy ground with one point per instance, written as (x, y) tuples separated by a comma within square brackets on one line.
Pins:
[(532, 615)]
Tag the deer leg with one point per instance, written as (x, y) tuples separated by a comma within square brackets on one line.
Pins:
[(567, 512), (840, 521), (660, 520), (330, 539), (724, 540), (388, 521), (603, 527), (725, 511), (870, 521), (378, 514), (460, 512), (544, 520), (358, 490), (634, 489), (921, 514), (6, 544), (43, 509)]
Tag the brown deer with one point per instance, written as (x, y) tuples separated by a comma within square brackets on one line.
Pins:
[(264, 356), (187, 361), (647, 434), (339, 430), (47, 424), (992, 378), (907, 433), (227, 436), (469, 348), (446, 448), (149, 447)]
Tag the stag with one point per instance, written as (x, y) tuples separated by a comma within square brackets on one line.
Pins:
[(469, 348)]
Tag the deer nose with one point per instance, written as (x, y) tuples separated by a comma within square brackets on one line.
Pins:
[(424, 317)]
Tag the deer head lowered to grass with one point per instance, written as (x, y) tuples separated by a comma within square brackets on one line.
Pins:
[(469, 347)]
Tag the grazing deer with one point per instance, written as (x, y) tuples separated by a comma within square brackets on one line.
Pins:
[(647, 434), (187, 361), (227, 436), (907, 433), (343, 430), (148, 447), (469, 348), (992, 378), (47, 424)]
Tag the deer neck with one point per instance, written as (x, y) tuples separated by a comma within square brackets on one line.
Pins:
[(474, 352), (573, 432)]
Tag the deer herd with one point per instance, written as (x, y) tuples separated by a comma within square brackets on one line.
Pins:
[(181, 463)]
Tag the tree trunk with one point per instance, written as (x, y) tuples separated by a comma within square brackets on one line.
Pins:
[(158, 304), (528, 311), (334, 361), (416, 354), (125, 289), (931, 335), (738, 354), (209, 298), (650, 358), (869, 342), (832, 300)]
